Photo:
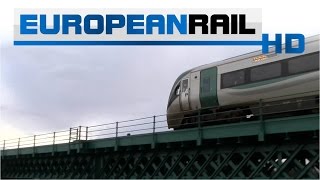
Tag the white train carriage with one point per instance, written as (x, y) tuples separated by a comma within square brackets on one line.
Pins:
[(241, 81)]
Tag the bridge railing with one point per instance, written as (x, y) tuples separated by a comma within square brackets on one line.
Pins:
[(151, 124), (57, 137), (258, 111)]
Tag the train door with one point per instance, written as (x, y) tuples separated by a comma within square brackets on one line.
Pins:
[(208, 86), (195, 90), (184, 95)]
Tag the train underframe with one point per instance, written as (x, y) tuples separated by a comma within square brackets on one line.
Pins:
[(251, 112)]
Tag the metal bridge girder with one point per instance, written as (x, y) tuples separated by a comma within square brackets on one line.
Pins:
[(283, 160)]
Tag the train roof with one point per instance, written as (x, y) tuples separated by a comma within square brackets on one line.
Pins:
[(246, 56)]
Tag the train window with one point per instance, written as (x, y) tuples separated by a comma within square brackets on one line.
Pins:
[(184, 85), (206, 85), (232, 79), (174, 94), (266, 71), (177, 90), (303, 63)]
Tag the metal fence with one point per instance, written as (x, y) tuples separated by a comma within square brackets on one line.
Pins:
[(263, 110), (152, 124)]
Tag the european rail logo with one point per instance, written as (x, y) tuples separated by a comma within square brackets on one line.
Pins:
[(225, 27)]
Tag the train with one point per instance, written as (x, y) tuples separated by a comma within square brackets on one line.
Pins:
[(238, 83)]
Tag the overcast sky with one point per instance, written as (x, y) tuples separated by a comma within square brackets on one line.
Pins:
[(52, 88), (58, 87)]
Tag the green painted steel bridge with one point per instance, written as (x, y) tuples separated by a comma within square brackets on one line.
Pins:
[(267, 145)]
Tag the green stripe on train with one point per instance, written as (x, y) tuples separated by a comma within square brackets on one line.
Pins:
[(208, 87)]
